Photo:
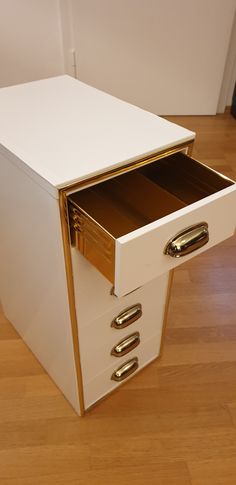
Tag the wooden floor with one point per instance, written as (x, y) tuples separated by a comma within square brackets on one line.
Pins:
[(175, 422)]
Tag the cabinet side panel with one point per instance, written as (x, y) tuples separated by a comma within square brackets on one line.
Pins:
[(33, 288)]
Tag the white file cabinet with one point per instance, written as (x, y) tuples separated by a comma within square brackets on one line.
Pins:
[(99, 201)]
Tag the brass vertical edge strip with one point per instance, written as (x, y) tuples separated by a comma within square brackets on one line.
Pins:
[(190, 149), (166, 309), (71, 295)]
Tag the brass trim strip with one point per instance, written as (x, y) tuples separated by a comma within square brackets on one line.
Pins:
[(166, 310), (190, 149), (126, 168), (71, 295)]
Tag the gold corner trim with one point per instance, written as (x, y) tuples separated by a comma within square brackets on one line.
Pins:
[(190, 149), (166, 309), (71, 296)]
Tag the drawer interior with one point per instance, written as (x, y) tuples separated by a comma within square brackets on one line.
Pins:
[(130, 201)]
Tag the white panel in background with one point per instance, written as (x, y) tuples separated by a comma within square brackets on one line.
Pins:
[(165, 56)]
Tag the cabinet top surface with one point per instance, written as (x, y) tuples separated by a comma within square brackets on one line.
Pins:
[(66, 131)]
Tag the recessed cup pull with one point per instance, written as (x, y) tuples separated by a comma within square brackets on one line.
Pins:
[(188, 240), (127, 317), (125, 370), (126, 345)]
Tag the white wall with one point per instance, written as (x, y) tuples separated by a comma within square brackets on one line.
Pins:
[(166, 56), (232, 65), (229, 78), (231, 87), (30, 40)]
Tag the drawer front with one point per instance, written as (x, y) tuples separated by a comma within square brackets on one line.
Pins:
[(104, 383), (90, 285), (139, 225), (140, 255), (98, 339)]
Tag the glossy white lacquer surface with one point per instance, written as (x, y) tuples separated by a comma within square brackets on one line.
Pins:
[(66, 131), (140, 254), (33, 288)]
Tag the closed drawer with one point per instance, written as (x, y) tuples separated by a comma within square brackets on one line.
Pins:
[(98, 338), (93, 287), (123, 225), (103, 383)]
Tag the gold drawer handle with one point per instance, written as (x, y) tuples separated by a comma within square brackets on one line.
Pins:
[(188, 240), (127, 317), (126, 345), (125, 370)]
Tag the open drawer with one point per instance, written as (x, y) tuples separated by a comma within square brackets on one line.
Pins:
[(138, 225)]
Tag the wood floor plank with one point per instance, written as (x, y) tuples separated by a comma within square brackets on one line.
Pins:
[(198, 352), (171, 473), (26, 386), (7, 332), (192, 335), (167, 447), (217, 472), (32, 407), (153, 401), (63, 430), (43, 460)]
